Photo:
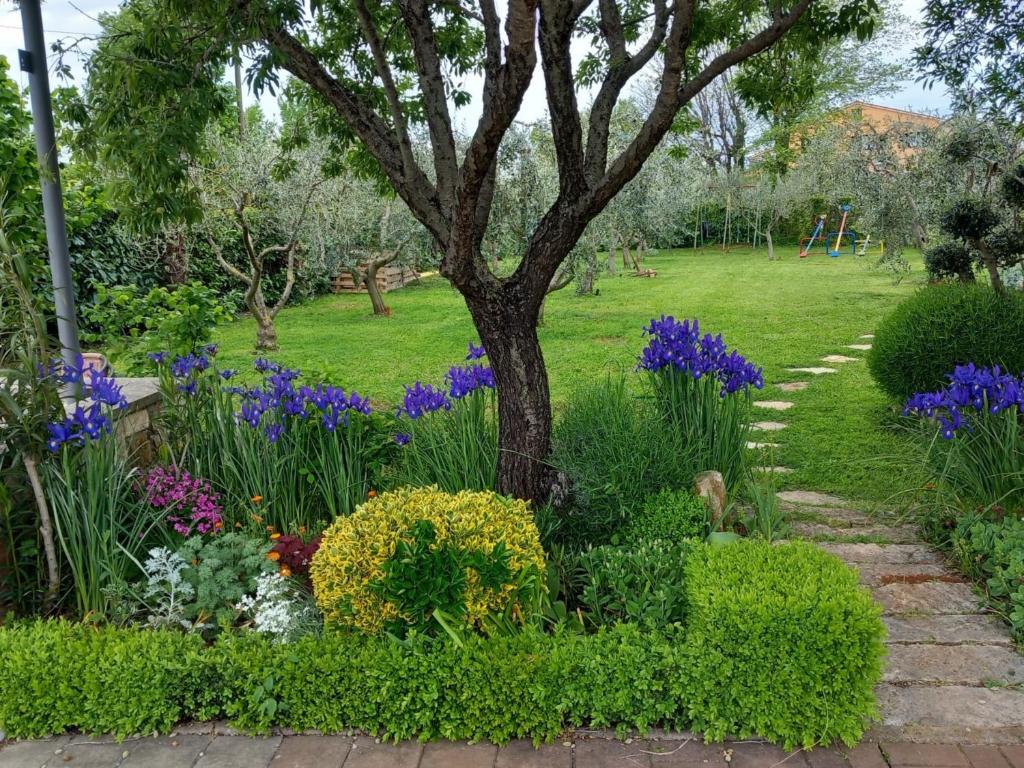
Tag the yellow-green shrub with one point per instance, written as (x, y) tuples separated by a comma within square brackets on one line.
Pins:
[(350, 565)]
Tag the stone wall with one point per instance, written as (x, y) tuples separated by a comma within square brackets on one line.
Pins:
[(136, 423)]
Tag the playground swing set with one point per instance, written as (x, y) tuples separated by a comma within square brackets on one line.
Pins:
[(836, 243)]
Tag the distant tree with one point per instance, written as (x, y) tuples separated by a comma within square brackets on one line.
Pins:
[(976, 48)]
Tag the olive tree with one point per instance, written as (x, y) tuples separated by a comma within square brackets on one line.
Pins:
[(378, 69)]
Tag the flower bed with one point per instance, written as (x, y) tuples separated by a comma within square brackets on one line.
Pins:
[(781, 642), (302, 558)]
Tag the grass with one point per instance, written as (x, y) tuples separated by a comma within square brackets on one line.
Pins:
[(787, 313)]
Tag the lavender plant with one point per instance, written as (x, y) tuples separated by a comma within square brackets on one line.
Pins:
[(449, 435), (975, 434), (704, 392)]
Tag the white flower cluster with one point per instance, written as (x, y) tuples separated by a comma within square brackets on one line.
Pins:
[(274, 608)]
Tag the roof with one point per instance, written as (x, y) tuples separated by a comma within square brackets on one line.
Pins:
[(859, 104)]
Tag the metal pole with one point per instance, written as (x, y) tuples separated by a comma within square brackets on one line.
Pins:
[(33, 61)]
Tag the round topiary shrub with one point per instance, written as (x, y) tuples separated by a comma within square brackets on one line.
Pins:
[(943, 326), (406, 555)]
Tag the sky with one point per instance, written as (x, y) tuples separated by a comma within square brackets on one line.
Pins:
[(68, 19)]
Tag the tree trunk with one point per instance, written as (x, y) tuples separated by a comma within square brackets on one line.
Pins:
[(769, 243), (379, 307), (46, 530), (991, 264), (266, 333), (507, 328)]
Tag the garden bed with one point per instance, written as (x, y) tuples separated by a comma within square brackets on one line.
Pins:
[(779, 642)]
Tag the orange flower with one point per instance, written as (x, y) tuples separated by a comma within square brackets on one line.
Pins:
[(219, 524), (270, 529), (372, 494), (256, 518), (285, 571), (275, 536), (238, 525), (275, 556), (256, 499), (302, 529)]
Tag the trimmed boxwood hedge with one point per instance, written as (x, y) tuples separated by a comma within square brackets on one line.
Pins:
[(781, 642), (943, 326)]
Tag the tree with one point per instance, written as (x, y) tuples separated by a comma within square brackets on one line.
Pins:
[(250, 185), (976, 47), (377, 68)]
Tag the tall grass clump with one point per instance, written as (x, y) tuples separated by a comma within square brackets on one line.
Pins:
[(449, 435), (973, 430), (291, 455), (614, 450), (703, 393)]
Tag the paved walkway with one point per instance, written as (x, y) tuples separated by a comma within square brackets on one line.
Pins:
[(227, 751)]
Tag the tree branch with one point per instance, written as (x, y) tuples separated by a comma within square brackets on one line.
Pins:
[(557, 21)]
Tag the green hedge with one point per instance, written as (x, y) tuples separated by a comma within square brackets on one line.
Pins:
[(781, 642), (943, 326)]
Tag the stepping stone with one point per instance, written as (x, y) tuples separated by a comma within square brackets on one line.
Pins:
[(761, 446), (793, 386), (774, 470), (948, 630), (839, 359), (880, 574), (768, 426), (829, 533), (812, 499), (931, 597), (953, 665), (885, 553), (817, 371), (774, 405), (867, 336), (952, 713), (861, 347), (841, 518)]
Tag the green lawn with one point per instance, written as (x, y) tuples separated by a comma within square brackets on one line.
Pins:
[(779, 314)]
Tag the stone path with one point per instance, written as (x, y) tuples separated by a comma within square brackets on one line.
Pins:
[(214, 750), (952, 672)]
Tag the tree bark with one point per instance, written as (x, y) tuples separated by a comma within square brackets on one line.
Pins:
[(769, 243), (508, 329), (266, 333), (379, 307), (46, 530), (991, 264)]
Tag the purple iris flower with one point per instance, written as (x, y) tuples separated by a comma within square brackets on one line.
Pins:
[(474, 352)]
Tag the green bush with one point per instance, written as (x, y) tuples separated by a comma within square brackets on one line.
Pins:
[(642, 583), (615, 451), (670, 515), (781, 642), (787, 619), (941, 327), (992, 553)]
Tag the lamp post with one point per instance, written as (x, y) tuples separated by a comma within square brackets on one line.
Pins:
[(33, 61)]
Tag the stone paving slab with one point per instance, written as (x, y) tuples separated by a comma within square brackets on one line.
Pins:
[(522, 754), (950, 713), (165, 752), (884, 553), (774, 405), (859, 347), (815, 370), (977, 665), (837, 517), (321, 751), (232, 751), (828, 532), (813, 499), (773, 470), (691, 753), (902, 755), (768, 426), (601, 753), (931, 597), (755, 446), (455, 754), (879, 574), (367, 753), (793, 386), (839, 359), (947, 630)]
